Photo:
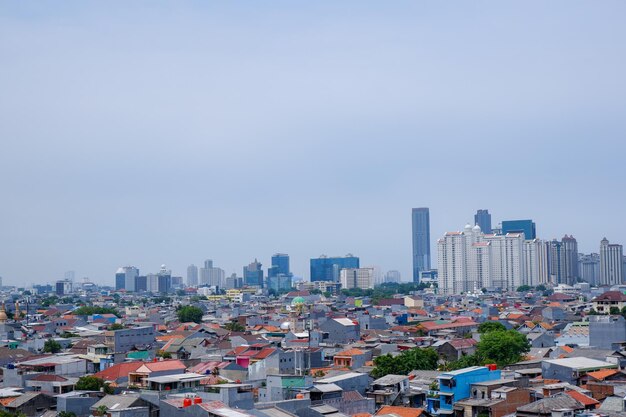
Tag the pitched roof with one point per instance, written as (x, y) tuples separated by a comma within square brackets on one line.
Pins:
[(582, 398), (611, 296), (400, 411), (121, 370), (349, 352), (602, 374)]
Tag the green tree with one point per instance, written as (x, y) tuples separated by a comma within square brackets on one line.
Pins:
[(92, 383), (116, 326), (190, 313), (234, 326), (524, 288), (502, 347), (490, 326), (91, 310), (163, 354), (67, 414), (614, 310), (405, 362), (51, 346)]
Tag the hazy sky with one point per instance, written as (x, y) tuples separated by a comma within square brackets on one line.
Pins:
[(170, 132)]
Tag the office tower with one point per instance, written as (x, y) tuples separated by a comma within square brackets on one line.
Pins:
[(520, 226), (152, 283), (611, 258), (328, 268), (570, 252), (208, 263), (279, 276), (253, 274), (192, 275), (164, 280), (281, 261), (63, 287), (211, 275), (125, 278), (589, 268), (393, 276), (357, 278), (536, 265), (141, 283), (483, 219), (420, 218)]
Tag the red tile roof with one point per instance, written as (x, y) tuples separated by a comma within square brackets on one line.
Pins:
[(582, 398), (121, 370), (400, 411)]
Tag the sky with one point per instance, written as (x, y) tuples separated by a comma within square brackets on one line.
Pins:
[(149, 133)]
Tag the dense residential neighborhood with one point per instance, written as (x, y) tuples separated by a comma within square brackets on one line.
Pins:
[(99, 351)]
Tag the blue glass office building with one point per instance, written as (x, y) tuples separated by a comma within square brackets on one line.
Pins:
[(280, 264), (483, 219), (420, 218), (520, 226), (327, 269), (253, 274)]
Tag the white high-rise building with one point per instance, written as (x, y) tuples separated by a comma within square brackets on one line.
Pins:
[(357, 278), (470, 260), (611, 257), (192, 275), (536, 264)]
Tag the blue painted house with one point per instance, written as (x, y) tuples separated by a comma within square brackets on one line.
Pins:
[(455, 386)]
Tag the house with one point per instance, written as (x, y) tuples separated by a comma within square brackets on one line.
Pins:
[(455, 386), (390, 390), (348, 381), (51, 383), (411, 301), (30, 403), (604, 302), (400, 411), (571, 370), (78, 402), (540, 340), (351, 358), (139, 376), (340, 331), (546, 406), (452, 350), (118, 373), (494, 400)]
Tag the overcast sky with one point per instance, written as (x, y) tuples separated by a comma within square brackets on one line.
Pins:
[(152, 132)]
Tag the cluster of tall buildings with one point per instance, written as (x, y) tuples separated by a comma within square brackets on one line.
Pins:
[(128, 278), (508, 256)]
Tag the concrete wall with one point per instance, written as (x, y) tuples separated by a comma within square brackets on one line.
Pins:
[(606, 330)]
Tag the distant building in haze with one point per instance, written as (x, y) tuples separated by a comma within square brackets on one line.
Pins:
[(253, 274), (570, 250), (164, 280), (328, 268), (520, 226), (192, 275), (357, 278), (211, 275), (279, 276), (420, 223), (393, 276), (483, 219), (611, 263), (125, 278), (589, 267), (63, 287)]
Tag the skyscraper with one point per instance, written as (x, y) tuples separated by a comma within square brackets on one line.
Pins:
[(281, 261), (611, 258), (192, 275), (164, 280), (570, 250), (328, 268), (557, 263), (253, 274), (125, 278), (536, 255), (357, 278), (278, 275), (483, 219), (589, 267), (520, 226), (421, 241)]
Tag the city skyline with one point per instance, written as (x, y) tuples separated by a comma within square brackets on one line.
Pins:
[(151, 126)]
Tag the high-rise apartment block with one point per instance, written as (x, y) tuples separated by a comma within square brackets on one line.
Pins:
[(483, 219), (357, 278), (471, 260), (536, 262), (420, 219), (192, 275), (393, 276), (211, 275), (327, 268), (611, 263), (589, 267)]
